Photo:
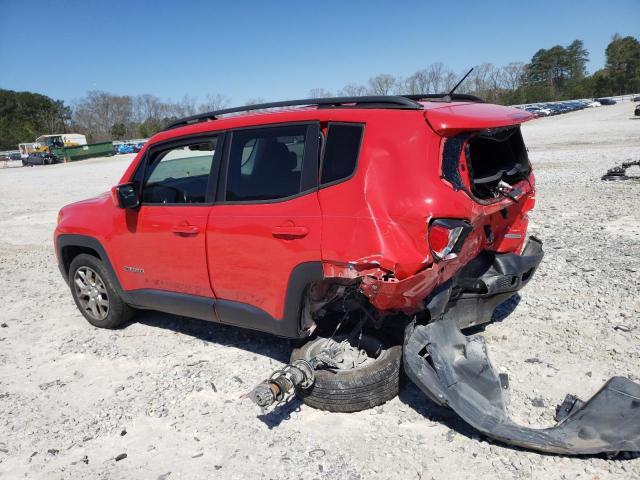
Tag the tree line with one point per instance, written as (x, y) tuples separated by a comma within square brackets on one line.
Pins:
[(556, 73)]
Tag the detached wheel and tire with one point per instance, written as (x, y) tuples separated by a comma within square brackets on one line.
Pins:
[(367, 374), (94, 294)]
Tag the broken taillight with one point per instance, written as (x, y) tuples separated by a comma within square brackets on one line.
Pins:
[(446, 237)]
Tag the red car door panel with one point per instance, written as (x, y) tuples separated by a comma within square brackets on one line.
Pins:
[(251, 251), (163, 248)]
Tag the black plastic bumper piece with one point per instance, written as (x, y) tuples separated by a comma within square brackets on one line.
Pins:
[(490, 279), (453, 369)]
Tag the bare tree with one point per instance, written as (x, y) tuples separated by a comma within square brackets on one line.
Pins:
[(185, 107), (450, 80), (417, 83), (382, 84), (214, 102), (147, 107), (435, 77), (319, 93), (512, 75), (97, 113), (255, 101), (353, 90)]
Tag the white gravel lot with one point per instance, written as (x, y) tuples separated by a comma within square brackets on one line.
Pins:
[(166, 390)]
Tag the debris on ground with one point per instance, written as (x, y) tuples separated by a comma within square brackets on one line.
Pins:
[(620, 173)]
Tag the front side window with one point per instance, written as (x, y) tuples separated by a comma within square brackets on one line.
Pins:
[(179, 175), (265, 163)]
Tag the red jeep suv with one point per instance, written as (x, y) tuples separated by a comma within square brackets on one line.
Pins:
[(372, 225), (260, 220)]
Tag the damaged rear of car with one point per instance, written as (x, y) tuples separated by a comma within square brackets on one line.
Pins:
[(428, 236)]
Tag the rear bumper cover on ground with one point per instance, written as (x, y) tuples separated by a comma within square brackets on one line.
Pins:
[(454, 369)]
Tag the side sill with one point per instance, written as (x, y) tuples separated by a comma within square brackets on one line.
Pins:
[(174, 303)]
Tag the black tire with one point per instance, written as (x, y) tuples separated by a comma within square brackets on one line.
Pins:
[(353, 390), (117, 312)]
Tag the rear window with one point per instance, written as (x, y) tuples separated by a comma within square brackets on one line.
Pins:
[(341, 152)]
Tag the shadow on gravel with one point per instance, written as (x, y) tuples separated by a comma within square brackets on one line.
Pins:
[(276, 416), (255, 342)]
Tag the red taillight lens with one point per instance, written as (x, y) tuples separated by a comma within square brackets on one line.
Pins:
[(446, 237)]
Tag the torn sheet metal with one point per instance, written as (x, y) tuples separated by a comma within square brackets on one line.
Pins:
[(454, 369)]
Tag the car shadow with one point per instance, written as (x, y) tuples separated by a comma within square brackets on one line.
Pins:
[(229, 336)]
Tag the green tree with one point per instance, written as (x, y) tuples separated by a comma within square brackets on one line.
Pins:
[(554, 73), (623, 64), (25, 116), (118, 131)]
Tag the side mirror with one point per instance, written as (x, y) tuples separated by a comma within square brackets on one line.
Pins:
[(125, 196)]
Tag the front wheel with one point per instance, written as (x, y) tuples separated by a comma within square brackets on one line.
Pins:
[(366, 373), (94, 294)]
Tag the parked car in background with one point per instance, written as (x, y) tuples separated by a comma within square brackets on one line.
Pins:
[(636, 99), (606, 101), (40, 158), (594, 104), (637, 111), (537, 111)]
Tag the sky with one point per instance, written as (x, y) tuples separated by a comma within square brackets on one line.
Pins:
[(277, 50)]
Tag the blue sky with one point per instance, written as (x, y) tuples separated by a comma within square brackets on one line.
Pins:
[(279, 49)]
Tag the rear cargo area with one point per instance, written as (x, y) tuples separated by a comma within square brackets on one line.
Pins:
[(496, 156)]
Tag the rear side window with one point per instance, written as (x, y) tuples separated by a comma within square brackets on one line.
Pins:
[(265, 163), (341, 151)]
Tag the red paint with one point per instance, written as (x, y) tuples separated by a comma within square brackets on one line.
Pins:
[(372, 226)]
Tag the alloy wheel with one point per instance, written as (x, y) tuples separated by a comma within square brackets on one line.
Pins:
[(91, 293)]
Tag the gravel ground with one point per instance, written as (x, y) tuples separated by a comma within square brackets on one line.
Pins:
[(162, 398)]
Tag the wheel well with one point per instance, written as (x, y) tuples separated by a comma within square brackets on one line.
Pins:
[(72, 251)]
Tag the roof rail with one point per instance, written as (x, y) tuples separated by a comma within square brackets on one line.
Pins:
[(444, 97), (386, 101)]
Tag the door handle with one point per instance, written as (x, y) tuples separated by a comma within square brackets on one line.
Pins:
[(290, 231), (185, 229)]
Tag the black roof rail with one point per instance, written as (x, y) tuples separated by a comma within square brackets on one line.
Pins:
[(382, 101), (444, 97)]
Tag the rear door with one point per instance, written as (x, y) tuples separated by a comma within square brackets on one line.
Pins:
[(161, 246), (266, 220)]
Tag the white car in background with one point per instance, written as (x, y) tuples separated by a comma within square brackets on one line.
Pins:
[(594, 104)]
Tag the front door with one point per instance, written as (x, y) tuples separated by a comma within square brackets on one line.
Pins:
[(267, 219), (163, 244)]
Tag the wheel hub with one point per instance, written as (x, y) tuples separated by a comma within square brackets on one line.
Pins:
[(91, 293)]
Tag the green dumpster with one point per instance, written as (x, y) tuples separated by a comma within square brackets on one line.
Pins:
[(81, 152)]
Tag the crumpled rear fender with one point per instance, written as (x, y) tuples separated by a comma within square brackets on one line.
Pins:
[(454, 370)]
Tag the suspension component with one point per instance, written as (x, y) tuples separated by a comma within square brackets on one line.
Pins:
[(283, 383)]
